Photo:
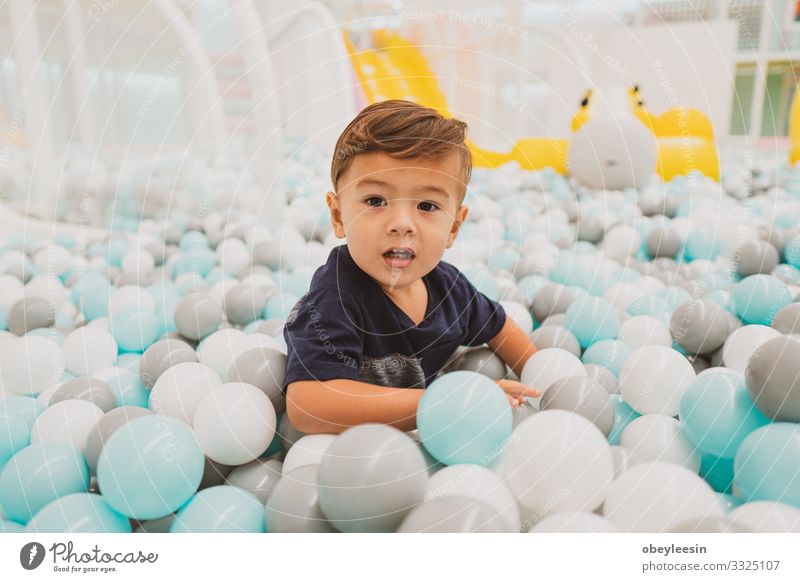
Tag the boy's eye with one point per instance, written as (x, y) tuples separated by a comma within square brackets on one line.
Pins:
[(428, 206), (374, 201)]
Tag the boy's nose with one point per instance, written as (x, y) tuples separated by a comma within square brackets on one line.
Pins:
[(401, 222)]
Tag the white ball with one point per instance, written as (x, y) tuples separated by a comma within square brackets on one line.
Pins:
[(248, 342), (308, 450), (743, 342), (220, 288), (30, 364), (657, 437), (89, 349), (548, 366), (622, 241), (217, 350), (49, 288), (478, 483), (11, 290), (767, 517), (52, 260), (68, 422), (621, 295), (109, 373), (232, 256), (180, 389), (131, 295), (557, 461), (574, 522), (649, 285), (519, 314), (654, 378), (234, 423), (655, 496), (644, 330), (138, 262)]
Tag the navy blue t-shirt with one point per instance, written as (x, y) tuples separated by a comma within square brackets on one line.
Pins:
[(346, 327)]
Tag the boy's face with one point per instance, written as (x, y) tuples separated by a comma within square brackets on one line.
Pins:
[(385, 203)]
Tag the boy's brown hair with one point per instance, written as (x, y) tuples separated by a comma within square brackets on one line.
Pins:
[(402, 129)]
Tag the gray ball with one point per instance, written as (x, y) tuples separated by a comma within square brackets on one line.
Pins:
[(699, 326), (583, 396), (293, 506), (370, 478), (454, 514), (555, 319), (161, 356), (244, 303), (160, 525), (287, 433), (523, 411), (264, 368), (773, 378), (590, 228), (556, 336), (271, 327), (756, 257), (259, 477), (197, 317), (105, 427), (787, 320), (86, 388), (552, 299), (482, 360), (602, 376), (663, 242), (214, 474), (30, 313)]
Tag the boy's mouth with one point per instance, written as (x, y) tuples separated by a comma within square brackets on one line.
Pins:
[(398, 257)]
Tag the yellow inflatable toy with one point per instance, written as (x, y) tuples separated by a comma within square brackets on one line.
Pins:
[(794, 129), (395, 69)]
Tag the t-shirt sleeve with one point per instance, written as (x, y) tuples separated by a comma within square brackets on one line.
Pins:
[(484, 317), (323, 337)]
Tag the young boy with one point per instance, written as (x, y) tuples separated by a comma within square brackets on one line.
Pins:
[(384, 314)]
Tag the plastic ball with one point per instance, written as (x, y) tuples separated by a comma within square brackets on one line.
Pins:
[(573, 522), (743, 343), (221, 509), (773, 378), (787, 320), (101, 432), (161, 356), (592, 319), (85, 388), (454, 514), (482, 360), (657, 437), (217, 350), (15, 435), (767, 517), (717, 413), (608, 353), (197, 317), (244, 303), (557, 461), (88, 349), (180, 389), (653, 380), (22, 408), (264, 368), (370, 478), (150, 467), (462, 417), (131, 296), (293, 506), (234, 423), (519, 314), (656, 496), (698, 326), (309, 450), (259, 477), (30, 313), (583, 396), (30, 364), (767, 464), (547, 366), (602, 376), (556, 336), (128, 389), (551, 299), (644, 330), (134, 328), (759, 297), (39, 474), (79, 513), (67, 422)]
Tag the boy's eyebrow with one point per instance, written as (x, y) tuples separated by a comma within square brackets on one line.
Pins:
[(429, 188)]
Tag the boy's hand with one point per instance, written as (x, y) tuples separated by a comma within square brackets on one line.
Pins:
[(517, 392)]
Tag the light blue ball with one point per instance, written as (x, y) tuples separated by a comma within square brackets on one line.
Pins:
[(279, 305), (221, 509), (3, 319), (626, 275), (792, 252), (193, 239), (564, 269), (117, 248), (483, 281), (91, 295), (49, 333), (610, 354), (623, 416), (591, 319), (653, 306), (23, 408), (504, 258), (129, 361), (759, 297), (717, 472), (150, 467), (787, 273), (11, 527), (79, 513), (530, 286), (767, 464), (717, 413), (702, 244), (673, 296), (134, 328), (464, 417), (129, 390), (166, 319), (164, 293), (723, 299), (37, 475), (15, 435)]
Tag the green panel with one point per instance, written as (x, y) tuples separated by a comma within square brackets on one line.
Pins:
[(770, 118), (742, 102)]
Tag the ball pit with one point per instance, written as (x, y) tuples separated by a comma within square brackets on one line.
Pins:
[(141, 377)]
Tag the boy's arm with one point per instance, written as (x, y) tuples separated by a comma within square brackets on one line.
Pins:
[(332, 406), (513, 346)]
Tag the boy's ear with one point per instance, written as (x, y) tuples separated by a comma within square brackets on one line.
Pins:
[(461, 216), (336, 214)]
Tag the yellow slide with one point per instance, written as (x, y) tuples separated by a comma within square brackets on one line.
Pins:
[(794, 129), (396, 69)]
